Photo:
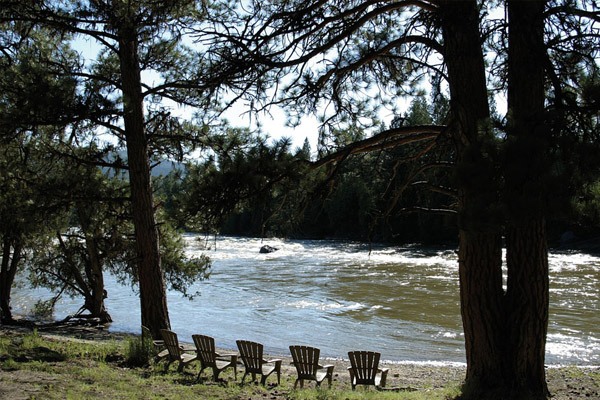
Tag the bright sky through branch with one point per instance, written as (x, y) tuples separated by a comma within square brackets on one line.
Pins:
[(271, 123)]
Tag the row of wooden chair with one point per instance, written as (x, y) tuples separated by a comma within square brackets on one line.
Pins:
[(364, 365)]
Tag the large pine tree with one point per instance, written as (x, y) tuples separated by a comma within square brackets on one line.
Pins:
[(348, 57)]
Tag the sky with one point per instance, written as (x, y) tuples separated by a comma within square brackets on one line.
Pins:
[(272, 124)]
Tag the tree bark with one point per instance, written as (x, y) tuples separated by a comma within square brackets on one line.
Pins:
[(527, 165), (94, 301), (11, 256), (505, 331), (153, 297), (480, 248)]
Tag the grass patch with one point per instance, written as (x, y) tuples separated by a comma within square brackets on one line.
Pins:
[(370, 394), (4, 345), (32, 340), (139, 352), (55, 367), (103, 370), (9, 365), (575, 372), (76, 349)]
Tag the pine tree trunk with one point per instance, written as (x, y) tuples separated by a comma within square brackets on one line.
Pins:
[(11, 255), (527, 307), (95, 276), (527, 165), (505, 331), (153, 297), (480, 251)]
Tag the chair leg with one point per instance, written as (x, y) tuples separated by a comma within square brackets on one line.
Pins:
[(263, 379), (200, 372), (383, 379), (216, 373), (351, 371)]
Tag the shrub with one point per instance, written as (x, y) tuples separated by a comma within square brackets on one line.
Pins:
[(139, 351)]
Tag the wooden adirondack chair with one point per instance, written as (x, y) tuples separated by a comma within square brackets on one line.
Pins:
[(176, 352), (209, 358), (306, 361), (254, 363), (365, 368)]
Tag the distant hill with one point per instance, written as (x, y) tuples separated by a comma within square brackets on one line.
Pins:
[(163, 168), (166, 167)]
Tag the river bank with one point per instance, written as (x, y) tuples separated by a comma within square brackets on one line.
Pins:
[(565, 382)]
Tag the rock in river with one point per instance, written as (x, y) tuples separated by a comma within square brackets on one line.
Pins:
[(267, 249)]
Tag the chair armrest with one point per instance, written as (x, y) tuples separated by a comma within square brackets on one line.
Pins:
[(384, 372), (328, 368), (227, 355), (276, 361), (187, 347), (233, 358)]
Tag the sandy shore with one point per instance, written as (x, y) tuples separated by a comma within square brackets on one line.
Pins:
[(564, 382)]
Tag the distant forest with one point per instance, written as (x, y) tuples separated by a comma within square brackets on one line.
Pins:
[(258, 187)]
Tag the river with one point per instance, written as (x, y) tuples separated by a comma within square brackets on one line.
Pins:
[(341, 296)]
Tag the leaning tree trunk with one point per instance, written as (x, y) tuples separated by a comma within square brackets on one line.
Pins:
[(95, 276), (153, 297)]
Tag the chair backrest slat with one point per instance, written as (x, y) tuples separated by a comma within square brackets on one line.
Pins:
[(171, 343), (306, 360), (365, 365), (251, 354), (205, 348)]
